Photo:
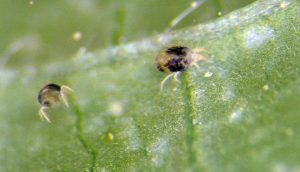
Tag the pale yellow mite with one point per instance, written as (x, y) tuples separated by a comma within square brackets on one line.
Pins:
[(50, 95), (174, 60)]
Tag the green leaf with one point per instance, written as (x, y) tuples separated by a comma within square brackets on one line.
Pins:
[(238, 112)]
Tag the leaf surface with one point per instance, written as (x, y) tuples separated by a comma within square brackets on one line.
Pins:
[(238, 112)]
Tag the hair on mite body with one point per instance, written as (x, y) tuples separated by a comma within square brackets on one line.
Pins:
[(50, 95), (176, 59)]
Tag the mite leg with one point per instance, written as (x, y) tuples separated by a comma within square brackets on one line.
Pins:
[(164, 80), (43, 114), (65, 89), (174, 75), (196, 55)]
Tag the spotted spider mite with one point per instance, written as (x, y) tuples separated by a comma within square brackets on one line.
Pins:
[(176, 59), (50, 95)]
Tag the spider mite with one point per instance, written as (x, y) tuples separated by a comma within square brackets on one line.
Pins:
[(175, 60), (50, 95)]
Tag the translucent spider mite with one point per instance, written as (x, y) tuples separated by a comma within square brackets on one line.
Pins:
[(174, 60), (50, 95)]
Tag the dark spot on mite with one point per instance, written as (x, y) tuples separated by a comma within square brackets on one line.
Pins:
[(173, 59), (52, 87), (177, 64), (46, 103), (179, 51)]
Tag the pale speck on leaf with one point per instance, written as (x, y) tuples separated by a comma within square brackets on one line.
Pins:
[(110, 136), (208, 74), (237, 115), (284, 4), (116, 108), (77, 36), (266, 87)]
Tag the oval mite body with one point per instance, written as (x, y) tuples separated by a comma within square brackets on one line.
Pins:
[(49, 95), (173, 59)]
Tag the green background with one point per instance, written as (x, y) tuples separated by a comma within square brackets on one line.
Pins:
[(238, 112)]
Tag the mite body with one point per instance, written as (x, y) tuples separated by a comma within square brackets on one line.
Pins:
[(173, 59), (176, 59), (50, 95)]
